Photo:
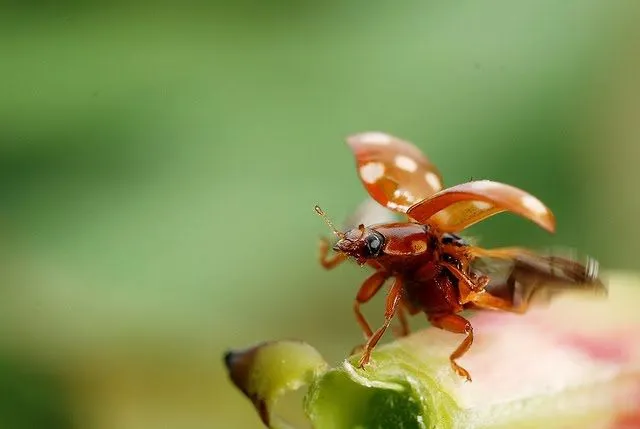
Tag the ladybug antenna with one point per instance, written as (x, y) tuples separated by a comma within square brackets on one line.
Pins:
[(323, 215)]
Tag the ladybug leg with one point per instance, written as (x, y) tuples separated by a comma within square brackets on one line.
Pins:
[(468, 288), (459, 325), (369, 288), (325, 260), (491, 302), (405, 307), (499, 253), (403, 330), (392, 303)]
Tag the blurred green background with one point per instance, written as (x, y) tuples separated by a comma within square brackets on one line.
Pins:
[(159, 164)]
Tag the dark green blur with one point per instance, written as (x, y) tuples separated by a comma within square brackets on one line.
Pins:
[(159, 164)]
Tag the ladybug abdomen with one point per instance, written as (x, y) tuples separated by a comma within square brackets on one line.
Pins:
[(433, 290)]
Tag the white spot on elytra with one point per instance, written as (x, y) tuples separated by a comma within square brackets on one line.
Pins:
[(482, 205), (403, 195), (483, 185), (375, 138), (372, 172), (433, 180), (398, 207), (442, 216), (534, 204), (405, 163)]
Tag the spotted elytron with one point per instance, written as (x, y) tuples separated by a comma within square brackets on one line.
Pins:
[(434, 270)]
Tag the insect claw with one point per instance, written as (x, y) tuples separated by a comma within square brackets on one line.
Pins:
[(461, 372), (364, 360)]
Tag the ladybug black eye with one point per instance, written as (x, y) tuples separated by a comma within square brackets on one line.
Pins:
[(374, 244)]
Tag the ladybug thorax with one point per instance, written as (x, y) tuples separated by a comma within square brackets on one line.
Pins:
[(405, 238)]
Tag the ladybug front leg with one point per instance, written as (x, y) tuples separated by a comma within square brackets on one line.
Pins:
[(369, 288), (325, 260)]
